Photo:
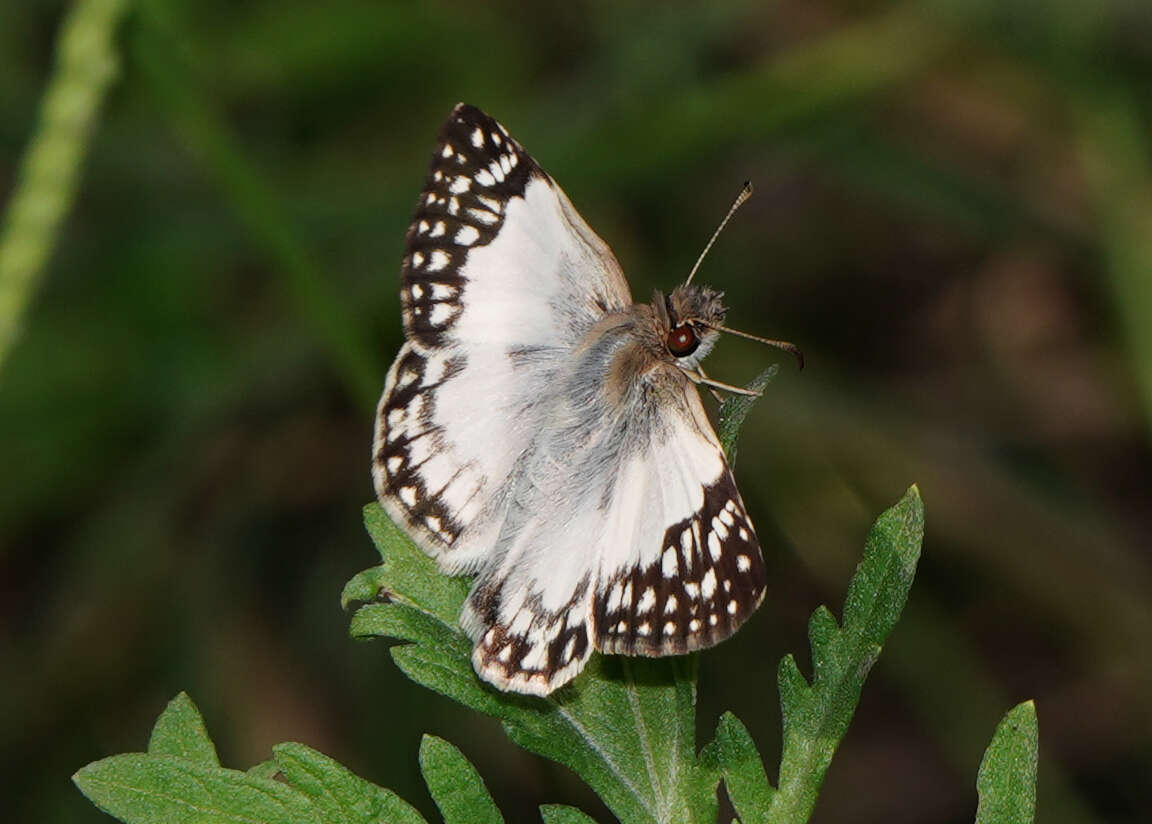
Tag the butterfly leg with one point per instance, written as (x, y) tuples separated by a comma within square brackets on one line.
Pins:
[(701, 378)]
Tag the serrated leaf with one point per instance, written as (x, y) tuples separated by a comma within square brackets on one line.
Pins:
[(626, 726), (337, 794), (1006, 783), (144, 789), (180, 731), (816, 715), (560, 814), (412, 577), (736, 408), (456, 787), (738, 761)]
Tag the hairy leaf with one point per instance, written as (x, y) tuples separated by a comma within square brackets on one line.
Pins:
[(144, 789), (456, 787), (736, 758), (561, 814), (736, 408), (816, 715), (1007, 779), (337, 794), (180, 731)]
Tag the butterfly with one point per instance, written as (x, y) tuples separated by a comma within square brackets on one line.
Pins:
[(542, 431)]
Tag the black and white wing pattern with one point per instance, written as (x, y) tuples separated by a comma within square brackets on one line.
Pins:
[(628, 535), (535, 430), (500, 278)]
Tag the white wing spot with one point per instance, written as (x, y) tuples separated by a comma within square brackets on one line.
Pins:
[(491, 203), (692, 589), (643, 629), (437, 230), (743, 563), (647, 600), (422, 228), (446, 151), (484, 178), (417, 259), (626, 598), (417, 291), (437, 175), (731, 506), (395, 418), (433, 523), (442, 291), (484, 216), (714, 546), (505, 654), (489, 637), (569, 648), (726, 517), (408, 495), (668, 563), (622, 626), (441, 313), (733, 605), (496, 138), (477, 137), (394, 463), (669, 627), (686, 540), (670, 605), (453, 205), (708, 583), (439, 260), (614, 597), (694, 624), (713, 619), (744, 536), (467, 235), (496, 170), (459, 185), (505, 164)]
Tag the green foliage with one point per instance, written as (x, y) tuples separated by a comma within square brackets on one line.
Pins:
[(626, 726), (1007, 779), (735, 408), (455, 785)]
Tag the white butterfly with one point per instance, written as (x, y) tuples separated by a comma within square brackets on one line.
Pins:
[(541, 430)]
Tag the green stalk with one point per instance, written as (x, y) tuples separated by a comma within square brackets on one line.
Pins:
[(86, 64)]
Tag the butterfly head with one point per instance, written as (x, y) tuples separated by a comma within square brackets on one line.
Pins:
[(686, 321)]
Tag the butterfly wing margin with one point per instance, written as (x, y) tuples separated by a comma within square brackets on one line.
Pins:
[(500, 277)]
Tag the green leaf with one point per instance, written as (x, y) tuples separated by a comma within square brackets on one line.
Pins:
[(1007, 779), (626, 726), (816, 715), (180, 780), (560, 814), (180, 731), (738, 761), (736, 408), (168, 788), (337, 794), (456, 787)]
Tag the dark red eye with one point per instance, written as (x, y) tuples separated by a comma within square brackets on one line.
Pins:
[(682, 341)]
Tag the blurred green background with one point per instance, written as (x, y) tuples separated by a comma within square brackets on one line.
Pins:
[(953, 218)]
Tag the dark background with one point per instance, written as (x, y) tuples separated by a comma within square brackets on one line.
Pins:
[(953, 218)]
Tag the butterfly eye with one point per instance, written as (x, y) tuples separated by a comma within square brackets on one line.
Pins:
[(682, 341)]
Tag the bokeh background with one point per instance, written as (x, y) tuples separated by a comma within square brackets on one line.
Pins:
[(953, 218)]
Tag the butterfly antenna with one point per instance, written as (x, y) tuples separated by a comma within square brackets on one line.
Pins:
[(779, 344), (745, 193)]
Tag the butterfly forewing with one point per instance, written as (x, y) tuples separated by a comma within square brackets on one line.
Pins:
[(500, 277), (531, 432)]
